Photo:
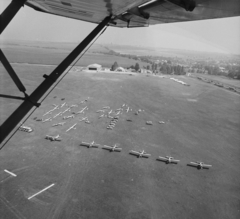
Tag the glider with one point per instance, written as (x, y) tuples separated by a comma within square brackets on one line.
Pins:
[(48, 119), (68, 117), (116, 13), (62, 105), (112, 148), (59, 124), (101, 116), (82, 110), (50, 111), (25, 128), (199, 165), (53, 138), (90, 145), (168, 159), (57, 115), (66, 110), (72, 127), (140, 153), (99, 111), (83, 119)]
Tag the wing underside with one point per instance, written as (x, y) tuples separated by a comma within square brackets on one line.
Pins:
[(138, 13)]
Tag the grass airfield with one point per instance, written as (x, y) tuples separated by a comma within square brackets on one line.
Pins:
[(201, 124)]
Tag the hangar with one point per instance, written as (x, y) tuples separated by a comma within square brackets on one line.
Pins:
[(94, 67)]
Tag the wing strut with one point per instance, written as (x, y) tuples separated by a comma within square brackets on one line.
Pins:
[(9, 13), (32, 100), (11, 72)]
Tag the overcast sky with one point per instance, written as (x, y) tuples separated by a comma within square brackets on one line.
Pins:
[(218, 35)]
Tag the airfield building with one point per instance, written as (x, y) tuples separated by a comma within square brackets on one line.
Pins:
[(94, 67)]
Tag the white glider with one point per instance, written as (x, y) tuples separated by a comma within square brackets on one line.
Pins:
[(53, 138), (83, 119), (82, 110), (62, 105), (48, 119), (50, 111), (57, 115), (140, 153), (68, 117), (199, 165), (168, 159), (90, 145), (112, 148), (59, 124), (72, 127)]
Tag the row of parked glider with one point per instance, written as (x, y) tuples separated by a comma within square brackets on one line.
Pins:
[(179, 81), (143, 154), (139, 154)]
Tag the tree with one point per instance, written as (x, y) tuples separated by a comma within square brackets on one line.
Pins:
[(169, 69), (216, 70), (178, 70), (154, 67), (183, 71), (137, 67), (114, 66), (163, 69)]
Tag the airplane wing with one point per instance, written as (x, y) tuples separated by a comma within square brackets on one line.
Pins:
[(107, 147), (146, 155), (206, 166), (85, 144), (162, 159), (175, 161), (193, 164), (135, 153), (95, 145), (138, 13), (112, 148)]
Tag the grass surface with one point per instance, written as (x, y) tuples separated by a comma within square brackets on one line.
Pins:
[(201, 124)]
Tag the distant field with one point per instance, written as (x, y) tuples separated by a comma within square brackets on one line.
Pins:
[(164, 52), (202, 123), (54, 53), (47, 45)]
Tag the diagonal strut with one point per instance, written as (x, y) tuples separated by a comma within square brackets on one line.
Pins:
[(8, 126)]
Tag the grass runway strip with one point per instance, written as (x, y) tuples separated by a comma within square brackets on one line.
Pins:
[(41, 191), (12, 174)]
